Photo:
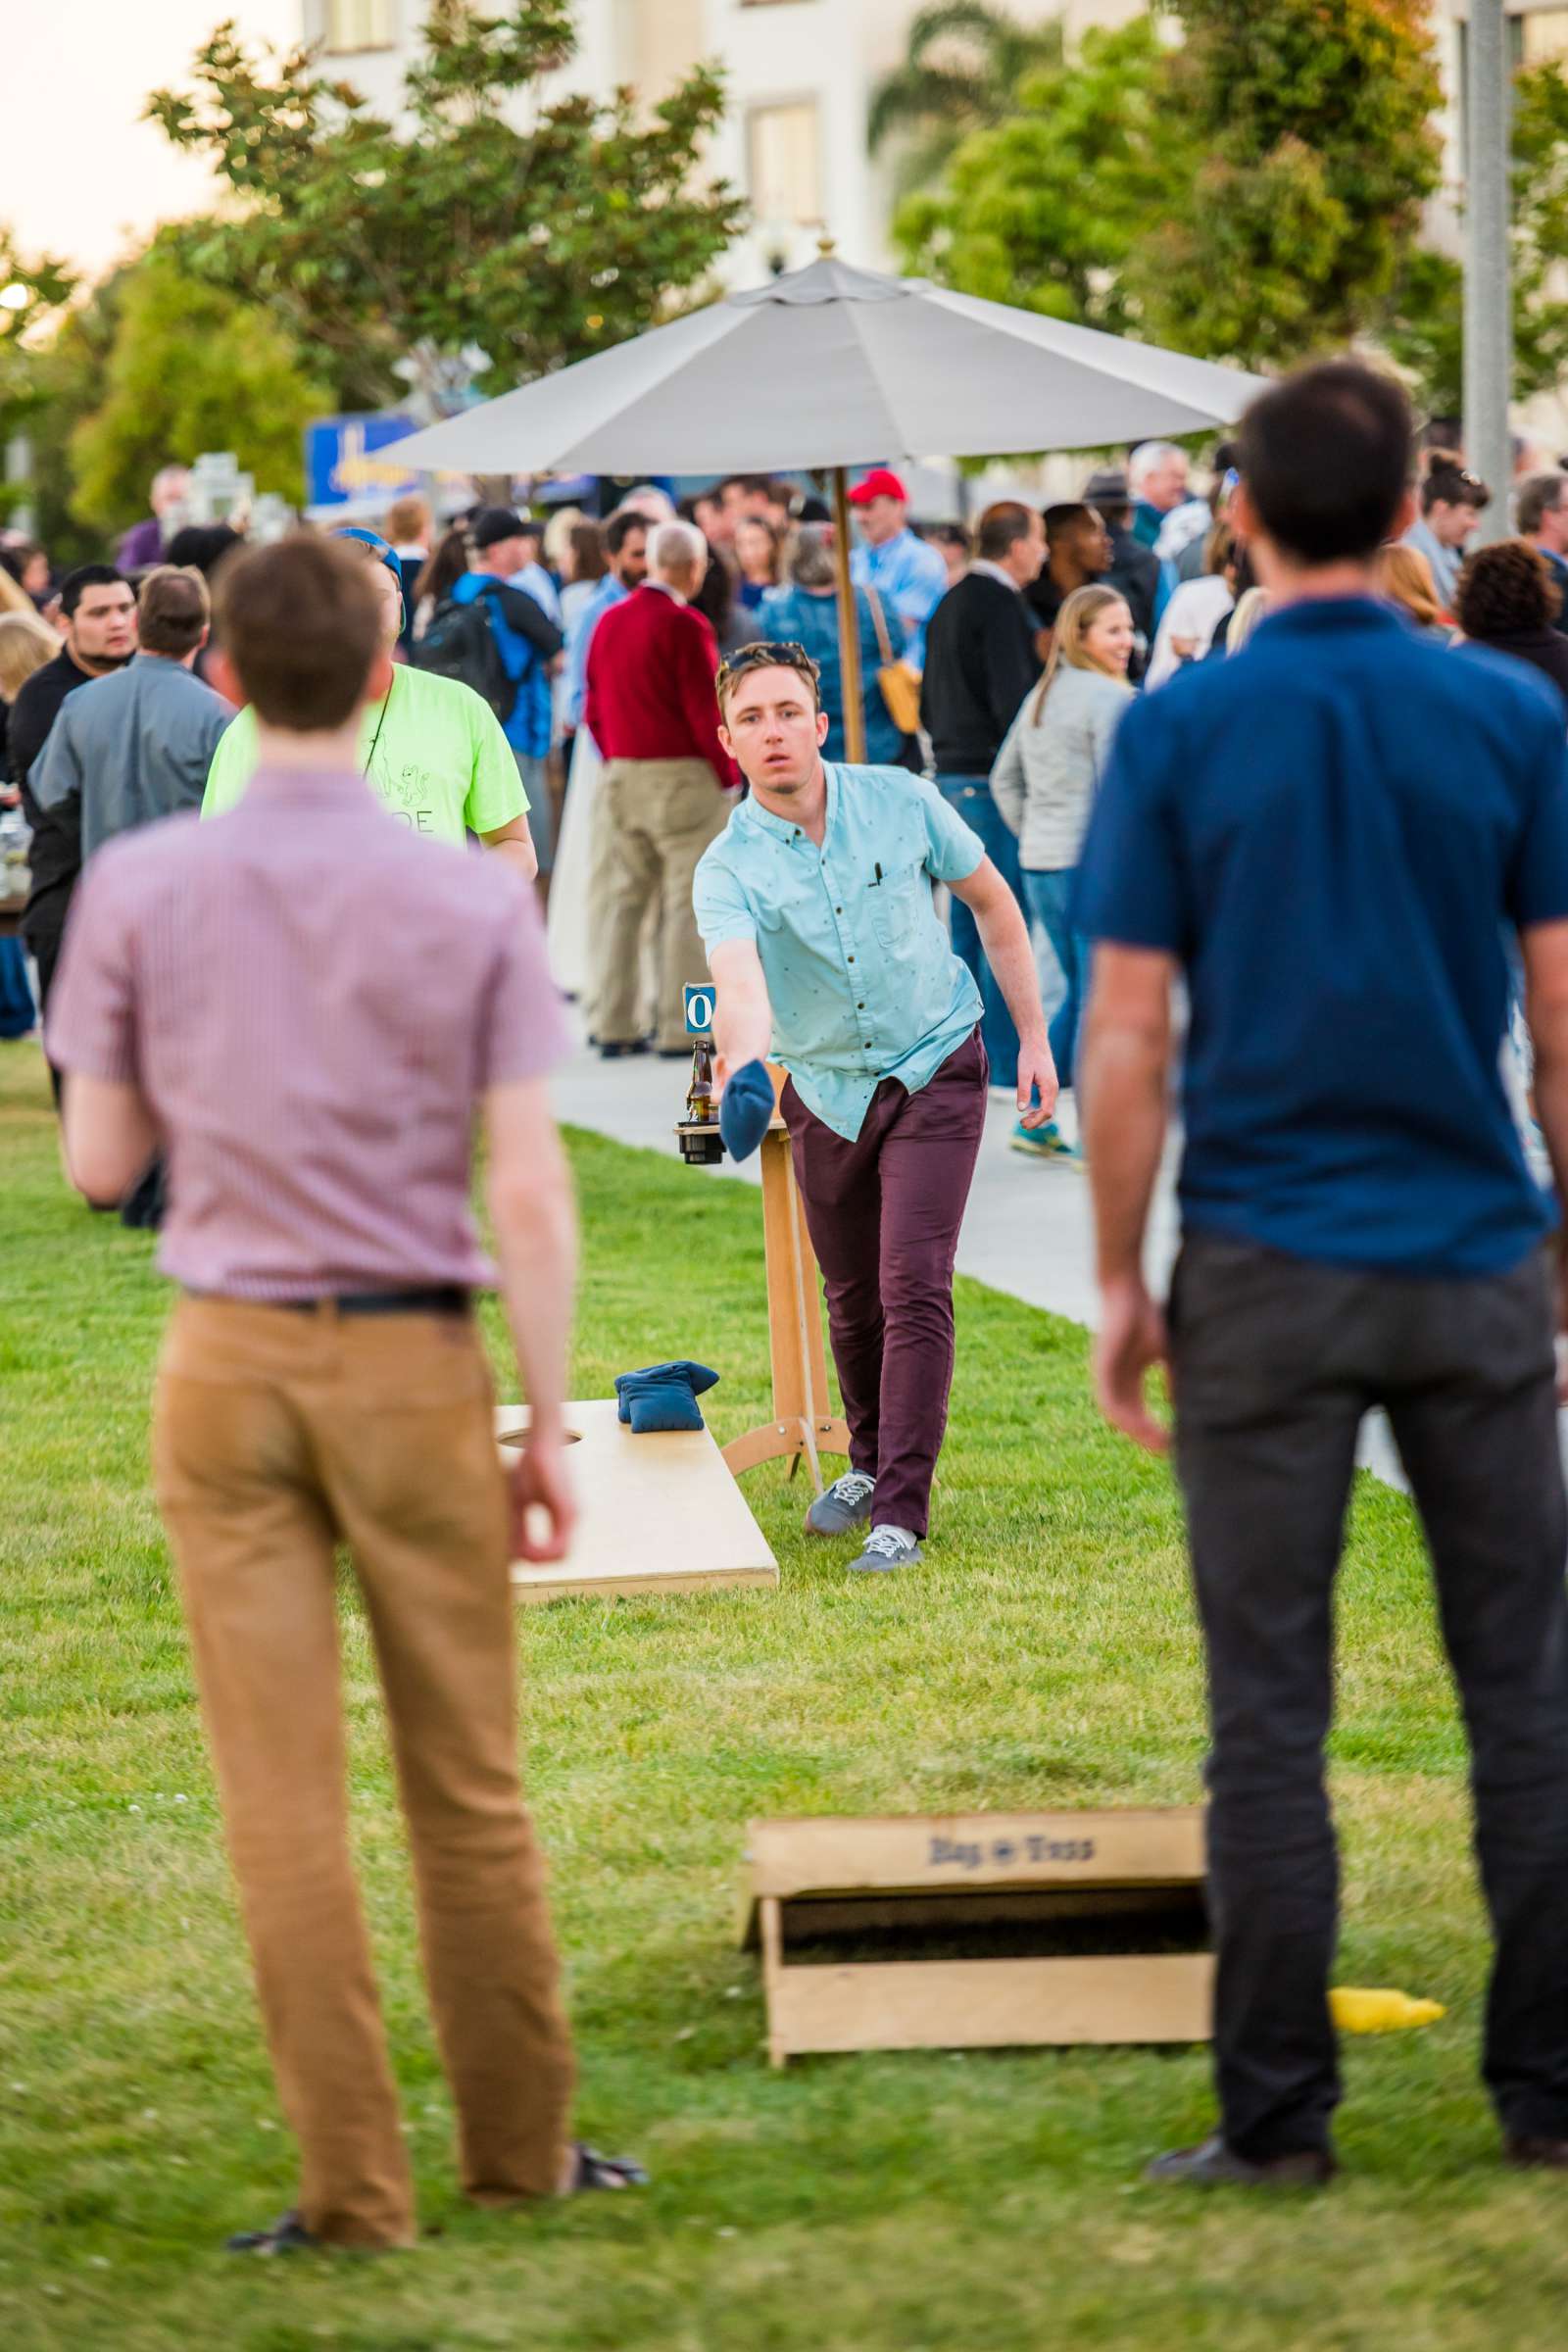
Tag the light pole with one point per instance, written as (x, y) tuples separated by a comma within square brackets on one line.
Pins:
[(1487, 308)]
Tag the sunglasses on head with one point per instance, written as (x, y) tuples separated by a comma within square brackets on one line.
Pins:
[(769, 656)]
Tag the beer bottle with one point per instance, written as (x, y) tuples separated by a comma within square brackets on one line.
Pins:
[(700, 1103)]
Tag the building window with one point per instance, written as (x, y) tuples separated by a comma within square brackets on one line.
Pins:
[(786, 164), (353, 24)]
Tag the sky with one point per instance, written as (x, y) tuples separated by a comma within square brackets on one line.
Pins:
[(81, 178)]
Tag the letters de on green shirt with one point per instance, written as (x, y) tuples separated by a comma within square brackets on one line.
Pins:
[(440, 763)]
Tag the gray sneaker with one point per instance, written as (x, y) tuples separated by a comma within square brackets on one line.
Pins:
[(845, 1504), (886, 1547)]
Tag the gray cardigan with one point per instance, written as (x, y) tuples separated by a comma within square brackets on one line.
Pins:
[(1046, 776)]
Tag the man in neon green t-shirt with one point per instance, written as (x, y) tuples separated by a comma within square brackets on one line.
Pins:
[(432, 752)]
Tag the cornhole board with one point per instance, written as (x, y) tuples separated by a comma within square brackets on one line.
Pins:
[(658, 1513), (1066, 1882)]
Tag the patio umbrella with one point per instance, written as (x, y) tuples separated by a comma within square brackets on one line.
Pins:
[(828, 367)]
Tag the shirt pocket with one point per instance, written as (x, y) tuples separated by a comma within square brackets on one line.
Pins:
[(898, 903)]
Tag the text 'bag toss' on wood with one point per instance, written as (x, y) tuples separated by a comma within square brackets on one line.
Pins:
[(980, 1930)]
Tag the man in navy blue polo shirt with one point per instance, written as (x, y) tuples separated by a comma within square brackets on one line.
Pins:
[(1329, 838)]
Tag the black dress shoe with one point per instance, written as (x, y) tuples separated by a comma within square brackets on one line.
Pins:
[(1532, 2151), (286, 2235), (1212, 2165), (619, 1048)]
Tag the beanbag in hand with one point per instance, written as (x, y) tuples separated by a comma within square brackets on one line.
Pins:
[(663, 1395), (746, 1110)]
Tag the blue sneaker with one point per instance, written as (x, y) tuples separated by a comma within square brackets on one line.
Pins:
[(1044, 1143)]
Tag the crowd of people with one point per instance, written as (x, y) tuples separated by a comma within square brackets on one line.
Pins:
[(994, 657)]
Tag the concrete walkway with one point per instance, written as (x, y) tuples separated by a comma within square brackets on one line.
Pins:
[(1027, 1229)]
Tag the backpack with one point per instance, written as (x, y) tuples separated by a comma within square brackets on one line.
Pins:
[(459, 643)]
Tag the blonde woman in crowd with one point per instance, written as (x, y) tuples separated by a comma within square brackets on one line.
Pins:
[(13, 598), (27, 643), (1250, 610), (1404, 578), (1043, 783)]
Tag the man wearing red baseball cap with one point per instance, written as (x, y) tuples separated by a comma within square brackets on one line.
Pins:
[(908, 576)]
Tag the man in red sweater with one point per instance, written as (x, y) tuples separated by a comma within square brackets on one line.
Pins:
[(666, 788)]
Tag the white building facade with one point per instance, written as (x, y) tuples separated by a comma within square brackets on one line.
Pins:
[(799, 77)]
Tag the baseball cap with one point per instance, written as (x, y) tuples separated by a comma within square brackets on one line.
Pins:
[(878, 483), (492, 524)]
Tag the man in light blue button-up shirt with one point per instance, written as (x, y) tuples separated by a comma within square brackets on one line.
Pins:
[(815, 905)]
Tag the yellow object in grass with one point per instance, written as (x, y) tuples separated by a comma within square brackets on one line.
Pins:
[(1355, 2010)]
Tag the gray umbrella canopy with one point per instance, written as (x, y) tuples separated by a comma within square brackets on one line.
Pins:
[(833, 367)]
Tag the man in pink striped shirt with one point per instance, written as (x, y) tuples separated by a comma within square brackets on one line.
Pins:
[(238, 994)]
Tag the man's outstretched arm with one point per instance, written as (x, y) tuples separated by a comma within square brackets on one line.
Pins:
[(743, 1016)]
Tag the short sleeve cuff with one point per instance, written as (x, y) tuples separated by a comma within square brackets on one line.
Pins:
[(958, 860), (493, 806), (86, 1050), (725, 927)]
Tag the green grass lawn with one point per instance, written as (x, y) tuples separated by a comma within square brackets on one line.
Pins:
[(1043, 1655)]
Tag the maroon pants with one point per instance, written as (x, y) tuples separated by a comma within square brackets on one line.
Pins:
[(883, 1214)]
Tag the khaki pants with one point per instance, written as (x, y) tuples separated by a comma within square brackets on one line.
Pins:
[(277, 1435), (660, 814)]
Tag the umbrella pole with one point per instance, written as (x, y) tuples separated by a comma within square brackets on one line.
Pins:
[(849, 625)]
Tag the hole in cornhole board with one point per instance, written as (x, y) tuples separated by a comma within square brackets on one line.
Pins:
[(1047, 1924), (520, 1436), (658, 1513), (981, 1930)]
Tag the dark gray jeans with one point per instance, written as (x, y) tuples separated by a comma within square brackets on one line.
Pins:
[(1274, 1361)]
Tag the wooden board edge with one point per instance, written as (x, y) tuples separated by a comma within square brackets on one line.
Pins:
[(914, 2005), (530, 1588)]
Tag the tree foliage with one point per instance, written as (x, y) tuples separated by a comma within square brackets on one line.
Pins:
[(1427, 334), (63, 382), (1049, 209), (1249, 194), (1316, 122), (962, 70), (35, 292), (187, 369), (451, 227)]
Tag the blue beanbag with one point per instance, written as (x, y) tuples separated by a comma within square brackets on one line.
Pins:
[(746, 1110), (663, 1395)]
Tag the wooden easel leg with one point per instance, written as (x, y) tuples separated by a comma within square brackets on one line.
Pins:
[(808, 1319), (773, 1965), (802, 1422)]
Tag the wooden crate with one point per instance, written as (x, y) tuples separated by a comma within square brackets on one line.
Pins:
[(659, 1513), (1079, 1878)]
